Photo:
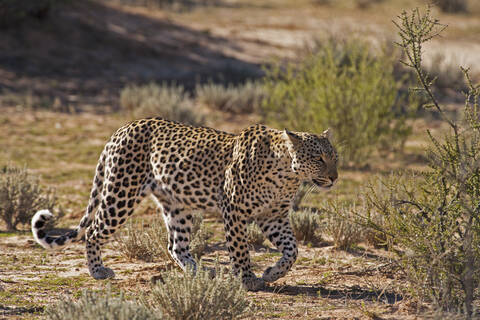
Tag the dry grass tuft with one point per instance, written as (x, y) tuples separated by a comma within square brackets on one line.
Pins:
[(153, 100), (306, 225), (143, 243), (245, 98), (94, 305), (254, 234), (187, 296)]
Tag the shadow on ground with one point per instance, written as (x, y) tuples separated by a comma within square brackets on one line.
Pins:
[(85, 52), (351, 293)]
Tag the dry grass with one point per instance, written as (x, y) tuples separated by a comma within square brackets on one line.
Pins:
[(306, 225), (145, 242), (160, 100), (340, 225), (243, 98), (255, 235)]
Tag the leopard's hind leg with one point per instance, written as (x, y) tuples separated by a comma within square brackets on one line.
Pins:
[(117, 205), (178, 221)]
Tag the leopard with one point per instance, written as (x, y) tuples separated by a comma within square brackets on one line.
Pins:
[(253, 175)]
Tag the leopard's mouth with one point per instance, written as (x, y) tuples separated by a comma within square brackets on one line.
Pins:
[(322, 183)]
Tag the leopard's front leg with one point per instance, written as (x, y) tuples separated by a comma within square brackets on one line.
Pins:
[(279, 232), (235, 231)]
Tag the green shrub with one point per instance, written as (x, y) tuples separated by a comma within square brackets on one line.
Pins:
[(305, 225), (436, 243), (344, 86), (433, 218), (187, 296), (144, 243), (255, 235), (153, 100), (99, 306), (245, 98), (21, 196)]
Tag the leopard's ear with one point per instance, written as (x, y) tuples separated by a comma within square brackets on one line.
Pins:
[(294, 138), (326, 133)]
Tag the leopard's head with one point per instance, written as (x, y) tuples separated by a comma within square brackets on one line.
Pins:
[(313, 157)]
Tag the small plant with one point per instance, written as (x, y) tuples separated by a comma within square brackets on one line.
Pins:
[(244, 98), (188, 296), (153, 100), (94, 306), (144, 243), (346, 86), (339, 224), (21, 196), (305, 225), (254, 234)]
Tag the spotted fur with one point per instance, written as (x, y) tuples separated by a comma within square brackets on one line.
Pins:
[(252, 175)]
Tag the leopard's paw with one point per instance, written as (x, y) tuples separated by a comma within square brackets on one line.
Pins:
[(272, 274), (103, 273), (253, 283)]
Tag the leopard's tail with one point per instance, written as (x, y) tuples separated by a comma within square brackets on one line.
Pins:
[(42, 217)]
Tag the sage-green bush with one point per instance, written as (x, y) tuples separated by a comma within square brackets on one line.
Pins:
[(344, 85), (184, 295), (21, 196), (99, 306), (167, 101)]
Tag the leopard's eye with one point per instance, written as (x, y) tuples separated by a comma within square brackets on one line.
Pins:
[(321, 159)]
